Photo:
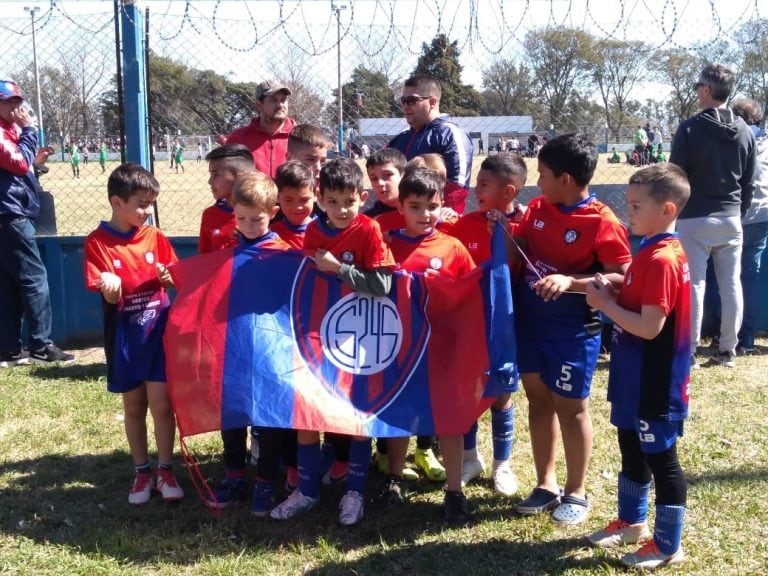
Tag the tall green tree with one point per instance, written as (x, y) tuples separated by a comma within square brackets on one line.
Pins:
[(508, 89), (366, 95), (560, 60), (678, 68), (752, 37), (440, 59)]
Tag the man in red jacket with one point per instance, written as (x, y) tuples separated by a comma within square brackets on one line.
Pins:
[(267, 134)]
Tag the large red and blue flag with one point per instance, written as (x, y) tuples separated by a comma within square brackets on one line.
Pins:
[(261, 337)]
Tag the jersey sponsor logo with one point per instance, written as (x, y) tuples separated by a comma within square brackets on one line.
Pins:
[(435, 263), (644, 434), (538, 224), (473, 246), (347, 257), (142, 318), (149, 257), (216, 232), (571, 236)]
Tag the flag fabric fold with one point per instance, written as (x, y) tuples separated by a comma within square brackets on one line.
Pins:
[(264, 338)]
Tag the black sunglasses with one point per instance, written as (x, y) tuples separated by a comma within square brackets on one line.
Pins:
[(412, 100)]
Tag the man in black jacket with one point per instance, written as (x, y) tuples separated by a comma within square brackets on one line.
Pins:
[(717, 151)]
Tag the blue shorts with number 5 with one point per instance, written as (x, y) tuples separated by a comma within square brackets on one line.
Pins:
[(565, 366), (655, 435)]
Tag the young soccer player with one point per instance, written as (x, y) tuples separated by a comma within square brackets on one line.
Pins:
[(351, 246), (385, 168), (254, 201), (296, 197), (225, 164), (500, 179), (309, 144), (178, 157), (568, 236), (126, 261), (420, 247), (650, 369)]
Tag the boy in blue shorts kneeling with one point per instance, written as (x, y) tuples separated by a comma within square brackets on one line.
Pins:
[(650, 369)]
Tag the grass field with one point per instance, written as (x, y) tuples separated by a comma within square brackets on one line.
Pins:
[(82, 202), (64, 476)]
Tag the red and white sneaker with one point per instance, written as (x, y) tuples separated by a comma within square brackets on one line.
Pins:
[(619, 533), (142, 489), (649, 557), (167, 486)]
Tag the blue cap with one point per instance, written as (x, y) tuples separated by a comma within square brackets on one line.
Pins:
[(9, 89)]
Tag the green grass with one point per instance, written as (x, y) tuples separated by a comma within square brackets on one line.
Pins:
[(82, 202), (65, 472)]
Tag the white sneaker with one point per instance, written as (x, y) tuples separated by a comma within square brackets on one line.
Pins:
[(142, 488), (167, 486), (351, 508), (504, 480), (295, 504), (619, 533), (649, 557), (471, 469)]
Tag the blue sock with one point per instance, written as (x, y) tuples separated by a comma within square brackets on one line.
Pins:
[(470, 438), (633, 500), (359, 459), (669, 527), (308, 464), (502, 430)]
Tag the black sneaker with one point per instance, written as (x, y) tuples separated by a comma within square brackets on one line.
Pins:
[(9, 359), (393, 492), (457, 509), (51, 353), (726, 359), (746, 351)]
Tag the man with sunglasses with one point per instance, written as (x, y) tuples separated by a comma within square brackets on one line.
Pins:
[(717, 151), (267, 134), (431, 132)]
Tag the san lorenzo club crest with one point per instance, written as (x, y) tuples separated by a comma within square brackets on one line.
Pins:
[(571, 236), (359, 347)]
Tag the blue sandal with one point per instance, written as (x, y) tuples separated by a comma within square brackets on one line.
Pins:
[(540, 500), (572, 510)]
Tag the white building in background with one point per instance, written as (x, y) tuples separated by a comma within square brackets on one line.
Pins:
[(377, 132)]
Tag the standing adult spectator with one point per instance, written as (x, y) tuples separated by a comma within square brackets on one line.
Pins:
[(23, 279), (431, 131), (480, 146), (267, 134), (755, 226), (640, 140), (514, 144), (717, 151)]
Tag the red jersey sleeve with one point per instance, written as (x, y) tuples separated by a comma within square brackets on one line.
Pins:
[(661, 284), (165, 252), (612, 242), (96, 262), (377, 253)]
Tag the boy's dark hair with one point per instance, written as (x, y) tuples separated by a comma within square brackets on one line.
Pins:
[(341, 174), (129, 179), (387, 156), (510, 168), (294, 174), (307, 135), (719, 79), (666, 183), (420, 182), (255, 190), (570, 154), (749, 111), (427, 83), (235, 157)]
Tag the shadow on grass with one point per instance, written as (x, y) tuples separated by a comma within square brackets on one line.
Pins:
[(81, 502), (78, 372)]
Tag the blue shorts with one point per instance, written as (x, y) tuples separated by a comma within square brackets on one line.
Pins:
[(655, 435), (565, 366)]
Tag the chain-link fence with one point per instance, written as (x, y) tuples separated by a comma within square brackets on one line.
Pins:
[(513, 74)]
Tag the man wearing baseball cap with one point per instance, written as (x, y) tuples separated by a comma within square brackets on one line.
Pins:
[(267, 134), (23, 279)]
